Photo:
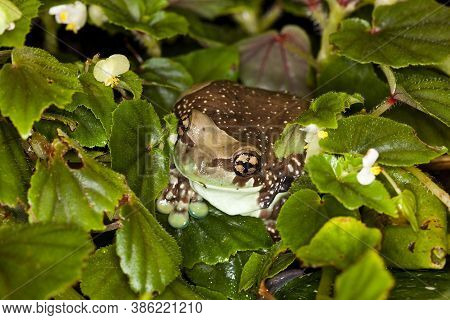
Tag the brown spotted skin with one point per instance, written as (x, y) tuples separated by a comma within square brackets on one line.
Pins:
[(253, 116)]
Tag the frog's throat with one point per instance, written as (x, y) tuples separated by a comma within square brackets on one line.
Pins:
[(237, 201)]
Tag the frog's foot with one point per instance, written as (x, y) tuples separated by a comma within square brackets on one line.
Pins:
[(180, 201)]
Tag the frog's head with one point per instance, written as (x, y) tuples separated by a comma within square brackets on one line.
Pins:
[(226, 136)]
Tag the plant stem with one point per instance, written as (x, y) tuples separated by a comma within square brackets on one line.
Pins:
[(433, 187), (51, 28), (150, 43), (337, 13), (382, 107), (270, 17), (248, 20), (326, 284), (391, 181)]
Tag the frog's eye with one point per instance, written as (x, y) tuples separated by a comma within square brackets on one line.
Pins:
[(246, 164)]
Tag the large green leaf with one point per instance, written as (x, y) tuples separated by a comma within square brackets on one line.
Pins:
[(302, 287), (131, 82), (343, 75), (179, 290), (39, 261), (337, 176), (145, 16), (339, 243), (303, 214), (407, 33), (148, 254), (211, 64), (367, 279), (102, 278), (210, 9), (405, 248), (326, 109), (79, 193), (218, 236), (97, 97), (165, 80), (222, 277), (423, 89), (15, 172), (135, 152), (396, 143), (32, 82), (28, 10)]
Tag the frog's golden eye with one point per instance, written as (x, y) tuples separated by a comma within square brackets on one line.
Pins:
[(246, 164)]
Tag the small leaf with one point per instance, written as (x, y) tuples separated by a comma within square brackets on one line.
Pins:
[(301, 287), (424, 90), (97, 97), (15, 172), (303, 214), (337, 177), (406, 33), (78, 193), (339, 243), (343, 75), (276, 61), (396, 143), (32, 82), (291, 141), (28, 10), (222, 277), (39, 261), (209, 9), (135, 152), (406, 204), (148, 254), (130, 81), (211, 64), (179, 290), (327, 108), (165, 80), (102, 278), (218, 236), (367, 279)]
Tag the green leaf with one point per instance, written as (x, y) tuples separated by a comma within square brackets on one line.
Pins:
[(339, 243), (97, 97), (303, 287), (291, 141), (28, 10), (367, 279), (179, 290), (211, 64), (424, 90), (428, 129), (326, 109), (343, 75), (32, 82), (39, 261), (406, 33), (102, 278), (130, 81), (421, 285), (78, 193), (216, 237), (88, 131), (396, 143), (210, 9), (222, 277), (337, 176), (405, 248), (148, 254), (134, 145), (15, 172), (406, 204), (69, 294), (145, 16), (303, 214), (277, 61), (165, 80)]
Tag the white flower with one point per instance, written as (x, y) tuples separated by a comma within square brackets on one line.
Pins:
[(73, 15), (108, 70), (313, 135), (368, 172), (97, 15), (8, 14)]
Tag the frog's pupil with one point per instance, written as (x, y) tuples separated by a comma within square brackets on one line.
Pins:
[(245, 164)]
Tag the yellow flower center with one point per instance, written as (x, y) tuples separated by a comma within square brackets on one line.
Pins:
[(72, 27), (63, 16), (112, 82), (376, 170), (322, 134)]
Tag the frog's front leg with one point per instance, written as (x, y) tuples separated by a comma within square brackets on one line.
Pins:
[(179, 201)]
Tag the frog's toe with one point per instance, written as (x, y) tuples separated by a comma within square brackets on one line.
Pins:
[(179, 220), (164, 206), (198, 209)]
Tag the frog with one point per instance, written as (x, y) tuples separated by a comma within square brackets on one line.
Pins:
[(224, 153)]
